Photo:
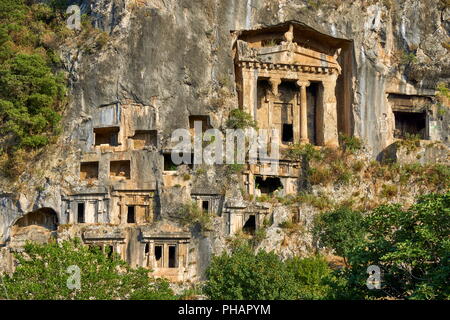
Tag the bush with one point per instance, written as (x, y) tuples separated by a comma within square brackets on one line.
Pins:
[(311, 275), (389, 191), (244, 274), (320, 201), (411, 247), (240, 119), (350, 144), (341, 230), (191, 214), (300, 151), (32, 93), (42, 274)]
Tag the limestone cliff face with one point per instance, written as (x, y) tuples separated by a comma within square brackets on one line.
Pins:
[(174, 58)]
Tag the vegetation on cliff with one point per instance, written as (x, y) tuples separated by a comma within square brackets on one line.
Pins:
[(244, 274), (410, 246), (43, 273), (32, 90)]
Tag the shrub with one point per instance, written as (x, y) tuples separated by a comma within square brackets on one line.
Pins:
[(240, 119), (410, 246), (300, 151), (411, 142), (32, 92), (320, 176), (244, 274), (389, 191), (408, 58), (42, 274), (341, 230), (320, 201), (350, 144), (234, 168), (311, 275), (191, 214)]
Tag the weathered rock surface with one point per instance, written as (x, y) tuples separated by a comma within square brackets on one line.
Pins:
[(174, 58)]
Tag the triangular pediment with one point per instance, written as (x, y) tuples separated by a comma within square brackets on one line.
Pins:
[(286, 53), (295, 54), (289, 43)]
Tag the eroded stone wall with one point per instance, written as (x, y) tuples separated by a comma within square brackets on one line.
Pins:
[(167, 61)]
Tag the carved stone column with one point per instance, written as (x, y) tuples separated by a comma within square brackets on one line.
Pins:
[(249, 90), (303, 84), (274, 83), (330, 121)]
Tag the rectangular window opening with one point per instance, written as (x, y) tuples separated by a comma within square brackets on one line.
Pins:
[(120, 169), (88, 170), (131, 214), (409, 124), (144, 138), (168, 163), (287, 132), (172, 256), (268, 185), (159, 255), (108, 136), (199, 118), (109, 251), (205, 205), (80, 213)]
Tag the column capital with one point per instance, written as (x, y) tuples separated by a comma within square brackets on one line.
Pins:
[(274, 83), (303, 83)]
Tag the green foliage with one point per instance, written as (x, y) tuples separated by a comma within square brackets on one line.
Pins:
[(410, 142), (314, 4), (408, 58), (191, 214), (244, 274), (320, 201), (31, 92), (234, 168), (341, 230), (350, 144), (240, 119), (41, 274), (443, 90), (291, 227), (311, 275), (299, 151), (389, 191), (260, 235), (412, 248)]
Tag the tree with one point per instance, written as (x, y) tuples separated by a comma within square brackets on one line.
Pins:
[(412, 248), (42, 273), (239, 119), (32, 91), (342, 229), (244, 274), (311, 275)]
